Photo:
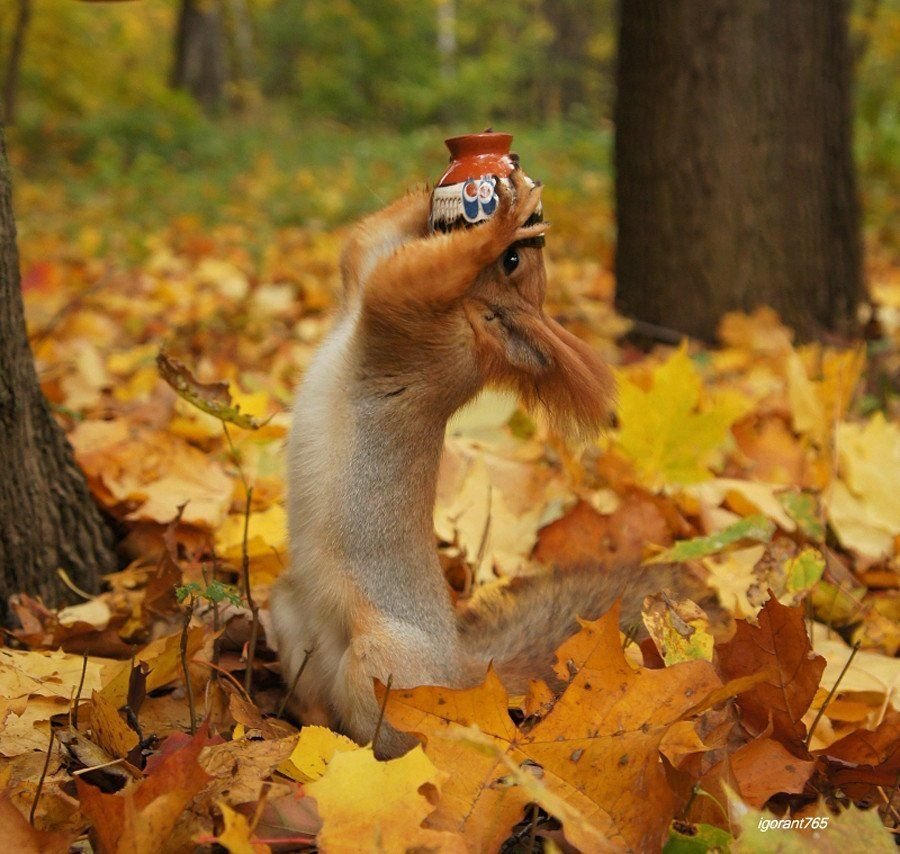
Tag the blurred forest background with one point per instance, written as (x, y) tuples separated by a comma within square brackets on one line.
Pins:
[(311, 112)]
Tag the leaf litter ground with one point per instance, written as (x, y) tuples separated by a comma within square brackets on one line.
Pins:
[(760, 467)]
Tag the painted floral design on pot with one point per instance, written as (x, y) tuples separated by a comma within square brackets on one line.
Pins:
[(466, 193)]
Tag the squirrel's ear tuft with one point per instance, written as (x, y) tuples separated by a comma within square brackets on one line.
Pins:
[(578, 391)]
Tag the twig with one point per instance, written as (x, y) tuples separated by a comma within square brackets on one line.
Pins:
[(831, 694), (630, 635), (78, 692), (109, 764), (40, 785), (889, 801), (387, 693), (532, 833), (296, 679), (254, 610), (189, 612), (225, 673)]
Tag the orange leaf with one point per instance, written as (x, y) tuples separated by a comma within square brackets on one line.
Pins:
[(142, 818)]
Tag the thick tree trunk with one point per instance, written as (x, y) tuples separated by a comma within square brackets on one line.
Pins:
[(734, 174), (14, 61), (199, 64), (48, 520)]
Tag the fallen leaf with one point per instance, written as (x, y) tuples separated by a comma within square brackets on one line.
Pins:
[(608, 717), (140, 819), (665, 430), (780, 642), (367, 805), (315, 748), (237, 837)]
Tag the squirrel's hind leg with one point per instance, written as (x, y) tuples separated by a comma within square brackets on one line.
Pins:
[(387, 651)]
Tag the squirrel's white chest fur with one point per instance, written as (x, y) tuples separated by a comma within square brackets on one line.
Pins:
[(357, 532)]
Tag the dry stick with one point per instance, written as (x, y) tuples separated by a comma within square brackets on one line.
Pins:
[(78, 692), (831, 694), (189, 612), (532, 833), (889, 802), (40, 785), (290, 693), (221, 671), (387, 693), (245, 566), (254, 610)]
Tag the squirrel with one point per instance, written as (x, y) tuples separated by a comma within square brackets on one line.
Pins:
[(427, 321)]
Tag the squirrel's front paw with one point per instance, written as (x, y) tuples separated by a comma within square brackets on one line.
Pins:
[(516, 206)]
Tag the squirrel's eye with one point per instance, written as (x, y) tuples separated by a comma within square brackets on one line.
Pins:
[(510, 260)]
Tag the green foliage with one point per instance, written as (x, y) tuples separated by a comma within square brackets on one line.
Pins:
[(215, 592)]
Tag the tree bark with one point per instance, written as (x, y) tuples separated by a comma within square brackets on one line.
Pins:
[(199, 64), (48, 519), (14, 62), (735, 184)]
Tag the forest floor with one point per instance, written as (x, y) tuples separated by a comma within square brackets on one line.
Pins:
[(767, 468)]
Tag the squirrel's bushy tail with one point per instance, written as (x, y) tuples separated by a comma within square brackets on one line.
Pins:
[(520, 626)]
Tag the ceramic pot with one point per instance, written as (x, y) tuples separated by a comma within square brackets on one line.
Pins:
[(466, 193)]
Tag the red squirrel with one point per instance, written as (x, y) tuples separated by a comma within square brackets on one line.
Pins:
[(428, 320)]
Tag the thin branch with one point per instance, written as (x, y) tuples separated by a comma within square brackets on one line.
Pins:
[(387, 693), (254, 610), (189, 688), (831, 694), (84, 662), (296, 679), (40, 785)]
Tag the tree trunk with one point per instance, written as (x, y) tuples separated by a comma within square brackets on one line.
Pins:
[(14, 62), (200, 60), (734, 174), (48, 520)]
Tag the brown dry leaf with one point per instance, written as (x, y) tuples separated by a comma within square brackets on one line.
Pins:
[(765, 767), (140, 819), (246, 713), (585, 537), (108, 729), (238, 769), (21, 837), (367, 805), (598, 746), (147, 475), (866, 758), (779, 641)]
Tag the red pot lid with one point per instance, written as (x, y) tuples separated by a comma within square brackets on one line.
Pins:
[(476, 154)]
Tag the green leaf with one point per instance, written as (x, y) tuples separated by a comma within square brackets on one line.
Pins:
[(696, 839), (756, 528), (187, 590), (803, 572), (803, 508)]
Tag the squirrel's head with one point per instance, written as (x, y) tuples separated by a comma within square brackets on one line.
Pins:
[(518, 346)]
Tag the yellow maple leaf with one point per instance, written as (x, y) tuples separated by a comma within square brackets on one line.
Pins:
[(367, 805), (665, 431), (315, 748)]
